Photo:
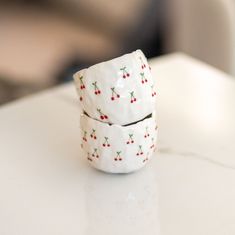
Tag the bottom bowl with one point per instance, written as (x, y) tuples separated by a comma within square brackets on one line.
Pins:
[(118, 149)]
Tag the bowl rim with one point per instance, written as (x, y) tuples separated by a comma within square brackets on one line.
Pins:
[(151, 116), (114, 60)]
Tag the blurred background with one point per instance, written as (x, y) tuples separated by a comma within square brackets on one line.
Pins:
[(43, 42)]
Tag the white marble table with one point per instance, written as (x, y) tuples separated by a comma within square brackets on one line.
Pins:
[(46, 186)]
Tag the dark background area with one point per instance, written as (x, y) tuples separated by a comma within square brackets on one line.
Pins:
[(43, 42)]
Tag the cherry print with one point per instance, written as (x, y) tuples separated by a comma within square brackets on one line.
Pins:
[(146, 132), (114, 94), (133, 99), (118, 156), (102, 115), (143, 78), (130, 140), (125, 74), (153, 145), (106, 142), (140, 152), (88, 157), (84, 136), (82, 86), (153, 92), (95, 153), (93, 135), (146, 159), (142, 63), (97, 91)]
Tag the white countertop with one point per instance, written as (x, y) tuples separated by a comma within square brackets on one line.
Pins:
[(46, 186)]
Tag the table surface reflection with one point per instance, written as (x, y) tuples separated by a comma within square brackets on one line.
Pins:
[(47, 187)]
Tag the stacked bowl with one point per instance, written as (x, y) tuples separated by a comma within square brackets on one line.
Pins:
[(118, 123)]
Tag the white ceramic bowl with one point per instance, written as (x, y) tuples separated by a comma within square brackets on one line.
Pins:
[(119, 91), (115, 148)]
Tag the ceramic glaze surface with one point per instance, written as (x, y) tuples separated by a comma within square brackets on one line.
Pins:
[(47, 186), (115, 148), (119, 91)]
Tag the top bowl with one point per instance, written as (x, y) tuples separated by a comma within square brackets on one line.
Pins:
[(120, 91)]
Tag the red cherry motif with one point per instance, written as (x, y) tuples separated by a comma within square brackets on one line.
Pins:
[(95, 153), (106, 142), (133, 99), (125, 74), (82, 86), (97, 91), (114, 94), (84, 136), (88, 157), (146, 132), (142, 63), (118, 156), (130, 139), (93, 134), (146, 159), (153, 145), (153, 92), (143, 78), (102, 115), (140, 152)]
